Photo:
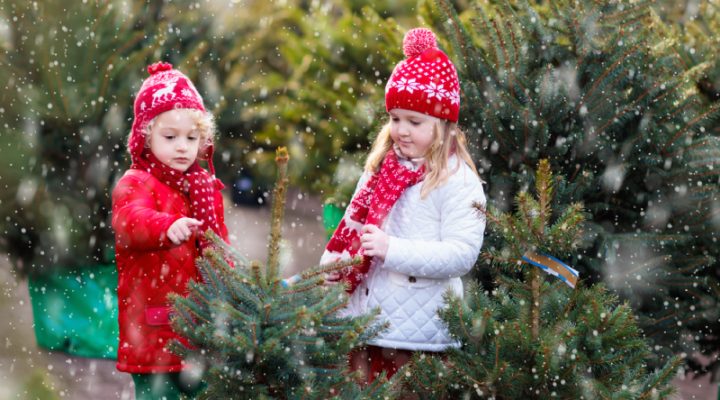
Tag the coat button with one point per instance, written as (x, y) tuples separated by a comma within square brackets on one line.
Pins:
[(412, 279)]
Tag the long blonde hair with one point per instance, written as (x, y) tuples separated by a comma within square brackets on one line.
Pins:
[(447, 139)]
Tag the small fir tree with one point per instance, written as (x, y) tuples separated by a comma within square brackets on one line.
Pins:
[(261, 338), (533, 337)]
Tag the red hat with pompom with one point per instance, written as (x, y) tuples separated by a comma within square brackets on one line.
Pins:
[(426, 81), (164, 90)]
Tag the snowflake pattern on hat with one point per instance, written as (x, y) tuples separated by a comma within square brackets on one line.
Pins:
[(426, 81), (165, 89)]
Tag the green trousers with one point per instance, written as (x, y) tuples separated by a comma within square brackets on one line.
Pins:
[(166, 386)]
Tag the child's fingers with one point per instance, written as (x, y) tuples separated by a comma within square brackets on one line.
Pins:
[(193, 222), (331, 278), (367, 246), (369, 228), (181, 233), (367, 237), (173, 237), (184, 231)]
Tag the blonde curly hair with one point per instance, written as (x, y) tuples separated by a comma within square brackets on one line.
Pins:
[(204, 124)]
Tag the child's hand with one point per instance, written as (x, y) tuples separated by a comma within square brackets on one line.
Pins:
[(182, 229), (332, 278), (374, 241)]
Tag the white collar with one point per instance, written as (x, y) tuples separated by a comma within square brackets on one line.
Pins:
[(414, 163)]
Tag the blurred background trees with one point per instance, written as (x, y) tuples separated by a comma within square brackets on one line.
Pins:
[(306, 75), (621, 98), (694, 27), (69, 77)]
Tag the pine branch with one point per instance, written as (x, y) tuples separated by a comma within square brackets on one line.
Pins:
[(257, 277), (711, 112), (239, 260), (544, 187), (278, 209), (305, 285), (535, 304), (330, 267), (590, 93)]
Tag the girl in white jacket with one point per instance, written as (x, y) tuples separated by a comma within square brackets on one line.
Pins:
[(411, 217)]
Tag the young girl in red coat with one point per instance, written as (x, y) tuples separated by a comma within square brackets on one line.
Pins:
[(160, 207), (411, 217)]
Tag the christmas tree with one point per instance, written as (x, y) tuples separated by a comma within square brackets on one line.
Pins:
[(599, 90), (532, 336), (260, 337)]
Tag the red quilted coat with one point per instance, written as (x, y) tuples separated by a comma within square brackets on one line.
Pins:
[(150, 267)]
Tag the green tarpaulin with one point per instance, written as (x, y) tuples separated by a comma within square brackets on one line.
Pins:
[(75, 311), (332, 215)]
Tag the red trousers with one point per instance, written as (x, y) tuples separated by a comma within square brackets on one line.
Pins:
[(373, 360)]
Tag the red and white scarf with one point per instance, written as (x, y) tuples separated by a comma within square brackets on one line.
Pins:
[(370, 205), (195, 183)]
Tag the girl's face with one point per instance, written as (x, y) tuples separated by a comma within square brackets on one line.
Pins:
[(412, 132), (175, 139)]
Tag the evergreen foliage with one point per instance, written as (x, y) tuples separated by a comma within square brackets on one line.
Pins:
[(260, 339), (599, 90), (695, 26), (71, 73), (533, 337), (68, 76), (310, 76)]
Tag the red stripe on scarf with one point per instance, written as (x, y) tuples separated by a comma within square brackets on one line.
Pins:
[(371, 205)]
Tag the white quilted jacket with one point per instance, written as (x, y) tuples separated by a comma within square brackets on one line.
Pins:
[(433, 242)]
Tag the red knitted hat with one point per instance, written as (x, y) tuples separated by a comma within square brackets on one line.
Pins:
[(164, 90), (426, 81)]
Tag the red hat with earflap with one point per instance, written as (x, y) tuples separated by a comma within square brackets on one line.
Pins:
[(164, 90), (426, 80)]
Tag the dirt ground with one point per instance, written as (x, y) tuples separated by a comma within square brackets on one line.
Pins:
[(27, 372)]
